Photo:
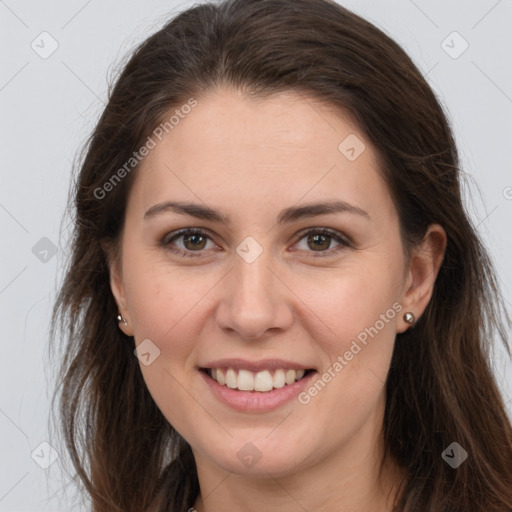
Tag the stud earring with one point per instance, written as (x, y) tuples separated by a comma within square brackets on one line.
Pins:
[(409, 318), (122, 319)]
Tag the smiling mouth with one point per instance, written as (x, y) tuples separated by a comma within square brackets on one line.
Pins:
[(262, 381)]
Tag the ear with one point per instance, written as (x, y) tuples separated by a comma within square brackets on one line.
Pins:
[(117, 285), (424, 264)]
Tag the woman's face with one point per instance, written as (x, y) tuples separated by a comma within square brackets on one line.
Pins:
[(277, 285)]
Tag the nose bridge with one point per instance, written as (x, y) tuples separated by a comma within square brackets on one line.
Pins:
[(253, 303), (253, 277)]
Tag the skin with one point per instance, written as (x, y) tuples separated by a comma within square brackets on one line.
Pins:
[(250, 159)]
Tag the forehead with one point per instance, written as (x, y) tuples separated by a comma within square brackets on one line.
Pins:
[(234, 149)]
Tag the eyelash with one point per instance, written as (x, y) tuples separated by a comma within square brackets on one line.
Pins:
[(344, 243)]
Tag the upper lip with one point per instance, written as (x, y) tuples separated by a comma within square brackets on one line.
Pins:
[(256, 366)]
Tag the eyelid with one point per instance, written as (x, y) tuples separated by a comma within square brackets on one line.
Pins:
[(343, 240), (185, 231), (342, 237), (166, 240)]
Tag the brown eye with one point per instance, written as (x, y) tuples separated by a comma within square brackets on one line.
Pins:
[(320, 241), (195, 240)]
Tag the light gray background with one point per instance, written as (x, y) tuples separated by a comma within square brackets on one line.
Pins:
[(49, 106)]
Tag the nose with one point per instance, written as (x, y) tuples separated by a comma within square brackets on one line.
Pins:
[(254, 300)]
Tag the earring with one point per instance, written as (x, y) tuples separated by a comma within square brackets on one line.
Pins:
[(409, 318), (122, 319)]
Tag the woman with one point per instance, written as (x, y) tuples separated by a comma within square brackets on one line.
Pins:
[(275, 298)]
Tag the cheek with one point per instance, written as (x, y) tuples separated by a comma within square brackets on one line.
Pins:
[(163, 300), (337, 306), (348, 302), (166, 306), (355, 327), (363, 343), (337, 310)]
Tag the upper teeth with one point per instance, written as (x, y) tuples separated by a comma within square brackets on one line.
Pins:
[(245, 380)]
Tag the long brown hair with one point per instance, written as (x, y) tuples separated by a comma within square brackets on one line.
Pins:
[(440, 387)]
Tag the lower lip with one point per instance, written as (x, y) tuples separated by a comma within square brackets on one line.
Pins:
[(255, 401)]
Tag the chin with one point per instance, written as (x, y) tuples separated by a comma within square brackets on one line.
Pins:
[(257, 455)]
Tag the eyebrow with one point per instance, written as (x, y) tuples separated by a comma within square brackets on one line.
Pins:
[(291, 214)]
